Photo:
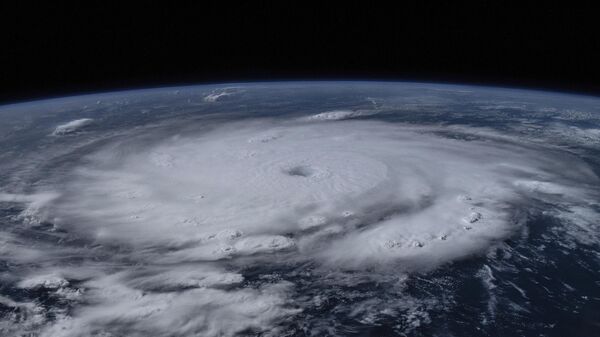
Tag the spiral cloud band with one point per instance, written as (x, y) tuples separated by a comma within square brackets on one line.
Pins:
[(346, 193), (341, 195)]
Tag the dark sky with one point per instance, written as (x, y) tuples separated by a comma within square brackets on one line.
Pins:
[(53, 51)]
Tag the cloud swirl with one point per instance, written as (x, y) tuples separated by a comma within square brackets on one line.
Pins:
[(180, 218)]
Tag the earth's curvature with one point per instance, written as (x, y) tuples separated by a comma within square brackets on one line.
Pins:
[(301, 209)]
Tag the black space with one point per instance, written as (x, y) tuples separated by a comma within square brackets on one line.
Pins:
[(50, 50)]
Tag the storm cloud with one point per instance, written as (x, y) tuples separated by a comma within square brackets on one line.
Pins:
[(186, 214)]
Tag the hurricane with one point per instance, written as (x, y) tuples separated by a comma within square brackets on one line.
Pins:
[(298, 210)]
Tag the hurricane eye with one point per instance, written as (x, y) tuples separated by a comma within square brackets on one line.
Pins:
[(300, 171)]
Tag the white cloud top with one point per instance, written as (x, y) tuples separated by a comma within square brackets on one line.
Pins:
[(219, 94), (343, 195), (72, 126), (383, 193), (336, 115)]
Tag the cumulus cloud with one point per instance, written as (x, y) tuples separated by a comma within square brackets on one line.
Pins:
[(36, 204), (219, 94), (178, 221), (121, 309), (336, 115), (51, 281), (72, 126)]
